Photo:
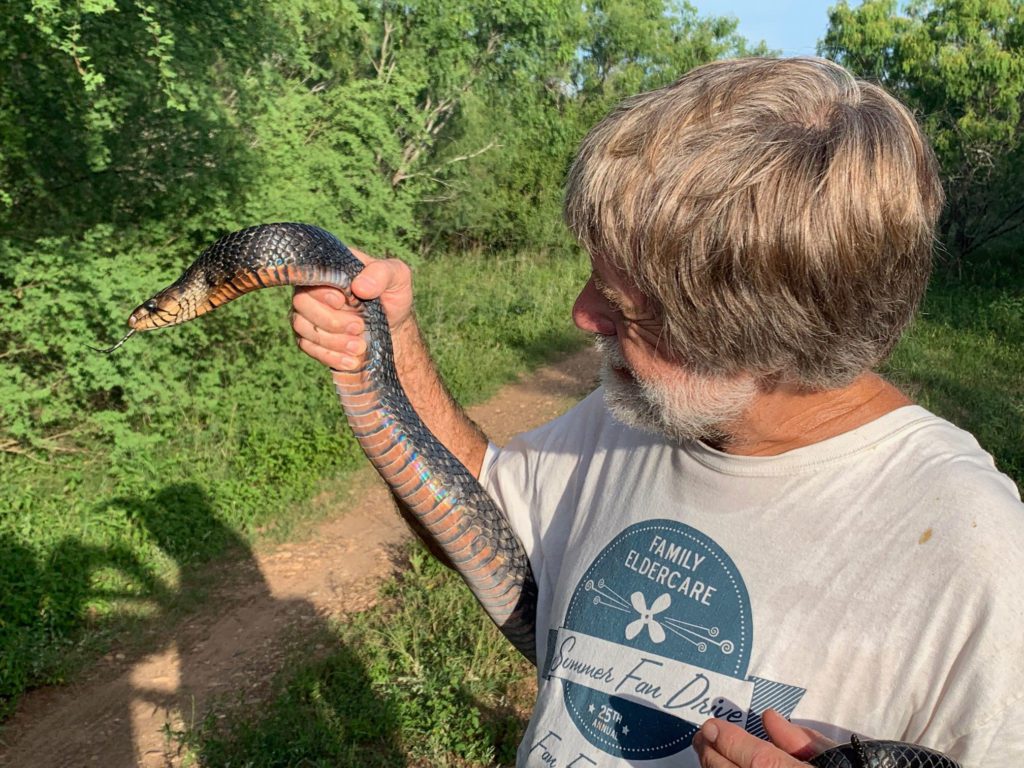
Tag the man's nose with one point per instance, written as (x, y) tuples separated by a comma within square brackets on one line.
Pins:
[(592, 313)]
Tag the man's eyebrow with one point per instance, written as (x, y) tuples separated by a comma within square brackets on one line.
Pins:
[(619, 301), (606, 290)]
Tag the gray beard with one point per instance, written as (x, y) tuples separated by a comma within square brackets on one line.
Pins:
[(691, 407)]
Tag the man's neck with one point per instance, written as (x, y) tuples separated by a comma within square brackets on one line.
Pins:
[(785, 418)]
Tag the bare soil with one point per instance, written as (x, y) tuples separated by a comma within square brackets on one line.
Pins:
[(264, 608)]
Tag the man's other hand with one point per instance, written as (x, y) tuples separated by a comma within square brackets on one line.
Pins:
[(723, 745)]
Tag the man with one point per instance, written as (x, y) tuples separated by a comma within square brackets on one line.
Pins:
[(745, 518)]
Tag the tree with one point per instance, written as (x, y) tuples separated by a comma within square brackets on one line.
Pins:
[(119, 110), (590, 57), (960, 65)]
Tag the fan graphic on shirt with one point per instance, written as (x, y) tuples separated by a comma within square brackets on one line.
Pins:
[(697, 635), (646, 619)]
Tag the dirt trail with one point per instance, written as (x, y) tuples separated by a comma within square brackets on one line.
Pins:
[(118, 717)]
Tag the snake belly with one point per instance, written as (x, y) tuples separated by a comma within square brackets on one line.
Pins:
[(882, 754), (432, 483)]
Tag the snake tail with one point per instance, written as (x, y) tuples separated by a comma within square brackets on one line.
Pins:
[(428, 479)]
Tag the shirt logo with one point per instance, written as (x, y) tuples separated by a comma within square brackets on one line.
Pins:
[(656, 639)]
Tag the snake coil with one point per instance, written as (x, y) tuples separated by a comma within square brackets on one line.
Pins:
[(881, 754)]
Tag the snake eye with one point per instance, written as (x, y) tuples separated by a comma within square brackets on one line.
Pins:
[(150, 306)]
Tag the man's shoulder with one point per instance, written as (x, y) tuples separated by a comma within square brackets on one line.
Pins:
[(580, 424), (969, 515), (936, 452)]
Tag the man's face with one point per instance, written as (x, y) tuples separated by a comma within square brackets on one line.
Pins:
[(644, 387)]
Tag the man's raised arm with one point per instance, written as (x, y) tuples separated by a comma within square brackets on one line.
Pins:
[(330, 330)]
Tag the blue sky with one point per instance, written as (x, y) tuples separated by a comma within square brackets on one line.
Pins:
[(792, 26)]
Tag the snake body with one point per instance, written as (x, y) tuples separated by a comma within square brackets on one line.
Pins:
[(433, 484), (881, 754), (440, 492)]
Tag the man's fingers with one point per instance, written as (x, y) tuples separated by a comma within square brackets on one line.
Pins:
[(328, 325), (334, 360), (707, 755), (803, 743), (724, 745), (382, 276), (310, 304), (343, 349), (728, 745), (323, 294)]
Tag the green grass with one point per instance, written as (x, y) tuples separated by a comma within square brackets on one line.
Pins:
[(422, 679), (487, 319), (112, 537), (964, 357)]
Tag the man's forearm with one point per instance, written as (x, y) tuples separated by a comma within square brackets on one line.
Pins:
[(439, 412), (431, 400)]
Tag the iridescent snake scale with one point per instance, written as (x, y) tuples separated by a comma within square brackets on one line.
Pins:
[(443, 496)]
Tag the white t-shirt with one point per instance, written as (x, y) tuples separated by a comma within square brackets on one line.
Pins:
[(872, 583)]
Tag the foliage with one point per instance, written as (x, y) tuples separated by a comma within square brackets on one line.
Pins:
[(201, 454), (140, 130), (960, 65), (117, 110), (631, 46), (591, 57), (424, 657)]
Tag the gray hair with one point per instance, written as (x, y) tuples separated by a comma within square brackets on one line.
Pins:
[(778, 214)]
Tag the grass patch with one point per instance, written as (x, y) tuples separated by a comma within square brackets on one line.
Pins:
[(488, 319), (422, 679), (964, 356), (103, 541)]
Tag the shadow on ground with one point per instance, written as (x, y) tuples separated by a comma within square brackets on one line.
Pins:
[(208, 681), (139, 706)]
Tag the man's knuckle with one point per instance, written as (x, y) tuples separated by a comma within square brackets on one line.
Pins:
[(769, 757)]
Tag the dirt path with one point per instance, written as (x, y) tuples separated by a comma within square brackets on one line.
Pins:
[(119, 717)]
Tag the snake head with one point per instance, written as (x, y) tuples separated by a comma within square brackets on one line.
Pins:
[(165, 308)]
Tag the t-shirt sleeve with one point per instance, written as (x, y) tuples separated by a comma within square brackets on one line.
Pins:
[(532, 478), (505, 475)]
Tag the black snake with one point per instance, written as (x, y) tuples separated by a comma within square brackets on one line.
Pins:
[(441, 493), (881, 754)]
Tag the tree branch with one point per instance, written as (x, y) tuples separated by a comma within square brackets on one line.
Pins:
[(451, 161)]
